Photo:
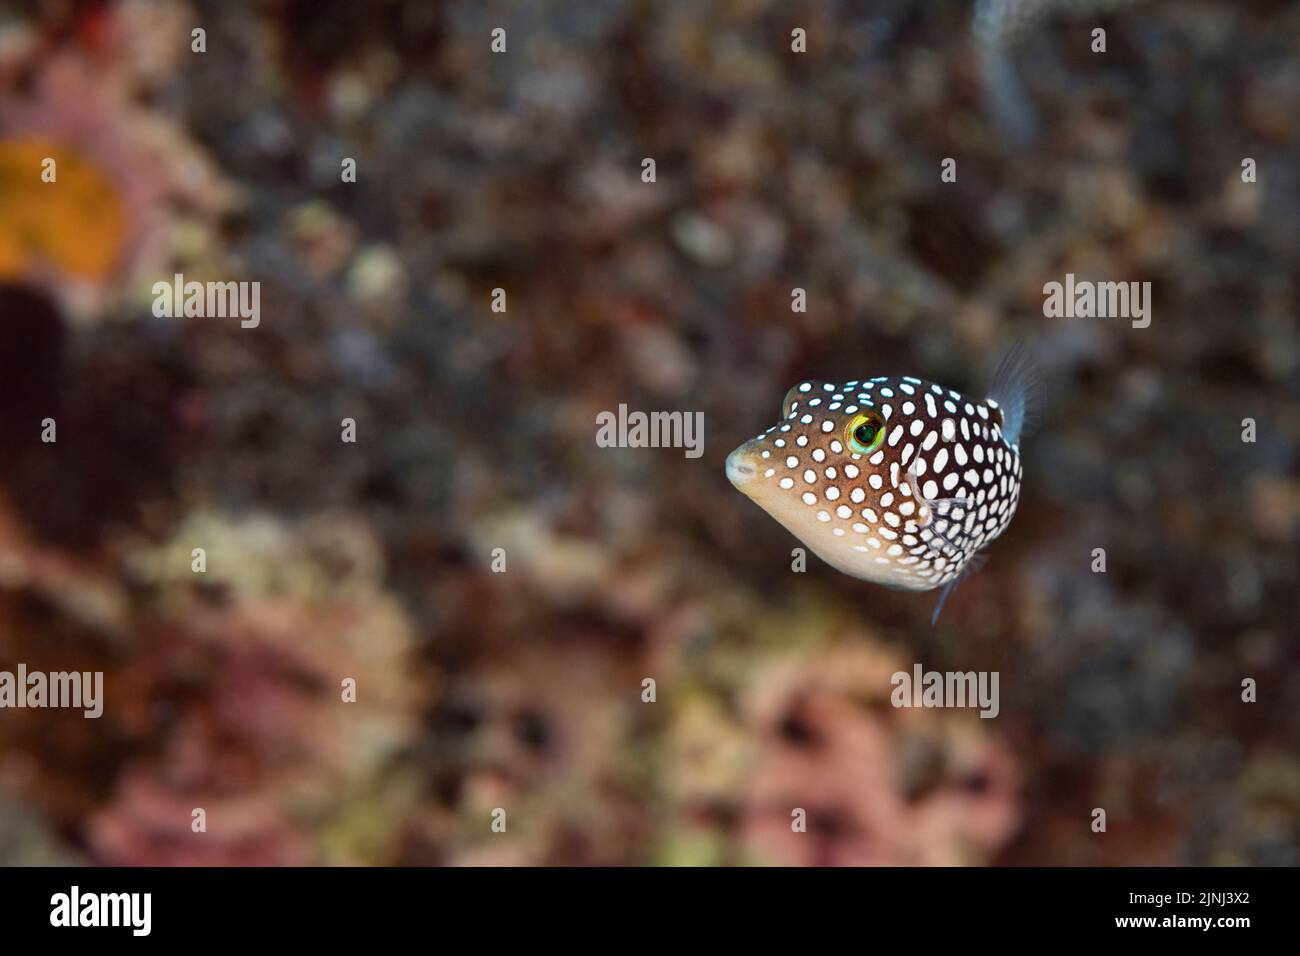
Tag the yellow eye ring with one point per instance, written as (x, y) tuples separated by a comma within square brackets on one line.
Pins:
[(864, 433)]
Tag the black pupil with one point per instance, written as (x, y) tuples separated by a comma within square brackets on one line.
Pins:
[(866, 433)]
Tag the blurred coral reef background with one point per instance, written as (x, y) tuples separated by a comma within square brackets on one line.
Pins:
[(476, 430)]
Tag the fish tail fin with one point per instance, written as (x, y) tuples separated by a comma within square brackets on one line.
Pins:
[(1017, 390)]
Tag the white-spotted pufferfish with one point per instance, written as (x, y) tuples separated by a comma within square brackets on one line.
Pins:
[(897, 481)]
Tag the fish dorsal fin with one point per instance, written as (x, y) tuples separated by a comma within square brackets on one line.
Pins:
[(1017, 391)]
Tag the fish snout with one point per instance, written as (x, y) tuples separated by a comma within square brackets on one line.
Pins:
[(742, 467)]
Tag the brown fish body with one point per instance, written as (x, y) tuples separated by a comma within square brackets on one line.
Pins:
[(894, 480)]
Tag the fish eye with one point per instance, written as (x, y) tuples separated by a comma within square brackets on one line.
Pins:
[(865, 432)]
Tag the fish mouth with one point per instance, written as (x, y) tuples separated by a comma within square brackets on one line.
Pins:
[(741, 467)]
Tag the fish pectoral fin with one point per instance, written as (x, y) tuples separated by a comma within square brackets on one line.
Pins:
[(942, 543), (939, 516)]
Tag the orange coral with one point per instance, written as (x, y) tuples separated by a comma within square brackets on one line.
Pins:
[(76, 221), (125, 177)]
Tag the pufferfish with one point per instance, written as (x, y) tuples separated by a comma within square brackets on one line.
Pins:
[(897, 481)]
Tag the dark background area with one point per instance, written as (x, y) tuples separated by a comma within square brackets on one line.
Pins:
[(476, 430)]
